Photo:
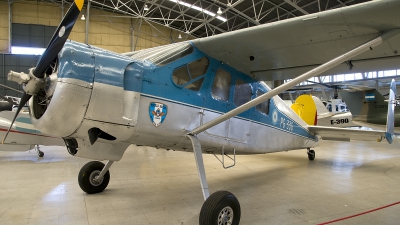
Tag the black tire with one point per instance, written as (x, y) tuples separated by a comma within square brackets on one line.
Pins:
[(40, 154), (311, 155), (219, 207), (86, 175)]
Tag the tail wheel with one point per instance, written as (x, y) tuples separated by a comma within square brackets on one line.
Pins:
[(311, 155), (221, 208), (87, 178)]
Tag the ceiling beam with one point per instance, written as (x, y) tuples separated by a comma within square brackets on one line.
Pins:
[(297, 7)]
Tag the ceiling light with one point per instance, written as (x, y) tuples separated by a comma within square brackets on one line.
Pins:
[(219, 11), (145, 7), (180, 2), (180, 37), (83, 17)]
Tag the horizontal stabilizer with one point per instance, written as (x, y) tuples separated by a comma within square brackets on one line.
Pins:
[(347, 134)]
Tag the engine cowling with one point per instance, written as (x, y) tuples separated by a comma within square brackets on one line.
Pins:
[(87, 98), (59, 108)]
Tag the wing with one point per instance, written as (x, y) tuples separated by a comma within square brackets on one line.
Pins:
[(288, 48), (347, 134)]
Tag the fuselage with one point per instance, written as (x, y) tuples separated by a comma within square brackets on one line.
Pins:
[(156, 97)]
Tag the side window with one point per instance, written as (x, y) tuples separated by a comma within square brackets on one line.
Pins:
[(191, 76), (242, 93), (264, 106), (181, 76), (221, 86), (198, 67)]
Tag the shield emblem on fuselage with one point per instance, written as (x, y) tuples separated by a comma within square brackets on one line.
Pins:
[(157, 112)]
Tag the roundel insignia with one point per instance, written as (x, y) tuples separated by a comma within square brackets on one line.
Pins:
[(274, 116), (157, 112)]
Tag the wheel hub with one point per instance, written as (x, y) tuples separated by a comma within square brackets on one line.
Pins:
[(94, 178), (225, 217)]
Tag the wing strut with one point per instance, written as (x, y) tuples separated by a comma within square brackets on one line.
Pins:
[(390, 115), (305, 76)]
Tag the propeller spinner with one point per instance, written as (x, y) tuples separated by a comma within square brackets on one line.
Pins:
[(35, 80)]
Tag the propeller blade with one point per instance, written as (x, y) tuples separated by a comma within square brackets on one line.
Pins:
[(59, 38), (25, 98), (55, 45)]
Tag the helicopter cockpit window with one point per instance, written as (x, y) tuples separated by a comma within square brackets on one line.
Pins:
[(329, 107), (221, 86), (264, 106), (191, 76), (242, 93)]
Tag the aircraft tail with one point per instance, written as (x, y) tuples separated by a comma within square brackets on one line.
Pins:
[(365, 105), (305, 107), (390, 114)]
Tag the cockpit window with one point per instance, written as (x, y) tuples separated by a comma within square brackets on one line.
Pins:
[(264, 106), (221, 85), (191, 76), (242, 93)]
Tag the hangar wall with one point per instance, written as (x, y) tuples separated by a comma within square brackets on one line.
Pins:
[(3, 27), (106, 30)]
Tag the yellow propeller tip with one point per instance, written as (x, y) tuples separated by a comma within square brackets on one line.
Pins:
[(79, 4)]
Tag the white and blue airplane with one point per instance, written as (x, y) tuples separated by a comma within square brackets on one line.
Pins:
[(205, 95)]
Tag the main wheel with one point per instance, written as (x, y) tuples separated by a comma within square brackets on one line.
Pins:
[(40, 153), (311, 155), (87, 175), (221, 208)]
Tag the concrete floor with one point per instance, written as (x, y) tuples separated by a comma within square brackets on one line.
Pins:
[(150, 186)]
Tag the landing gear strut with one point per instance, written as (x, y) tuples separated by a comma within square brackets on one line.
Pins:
[(94, 176), (222, 207), (40, 153), (311, 154)]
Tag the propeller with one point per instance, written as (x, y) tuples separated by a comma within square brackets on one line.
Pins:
[(35, 79)]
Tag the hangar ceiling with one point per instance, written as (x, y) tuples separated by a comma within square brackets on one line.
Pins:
[(202, 18)]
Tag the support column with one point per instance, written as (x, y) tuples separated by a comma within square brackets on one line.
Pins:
[(138, 34), (87, 22), (322, 89), (62, 9), (132, 36), (9, 25)]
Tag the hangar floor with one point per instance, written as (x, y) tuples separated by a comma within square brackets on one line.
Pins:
[(150, 186)]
